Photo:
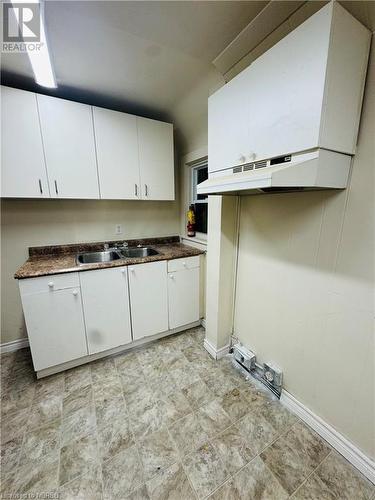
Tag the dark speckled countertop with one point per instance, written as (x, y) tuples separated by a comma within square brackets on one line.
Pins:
[(44, 261)]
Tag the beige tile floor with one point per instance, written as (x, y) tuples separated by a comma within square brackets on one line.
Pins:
[(163, 422)]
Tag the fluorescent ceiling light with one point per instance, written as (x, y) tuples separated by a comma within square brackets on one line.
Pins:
[(40, 59)]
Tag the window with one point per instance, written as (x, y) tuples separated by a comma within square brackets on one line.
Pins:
[(199, 173)]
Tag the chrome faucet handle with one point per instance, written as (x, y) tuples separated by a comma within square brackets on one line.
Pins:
[(106, 246), (125, 244), (139, 246)]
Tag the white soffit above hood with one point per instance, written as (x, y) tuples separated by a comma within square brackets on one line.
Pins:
[(318, 169), (271, 17)]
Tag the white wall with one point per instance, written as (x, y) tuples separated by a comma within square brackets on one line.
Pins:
[(306, 274), (221, 260), (44, 222), (190, 113), (305, 290)]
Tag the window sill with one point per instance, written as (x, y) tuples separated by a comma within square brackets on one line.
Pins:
[(197, 241)]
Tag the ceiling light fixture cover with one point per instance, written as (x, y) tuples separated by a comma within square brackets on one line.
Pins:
[(40, 59)]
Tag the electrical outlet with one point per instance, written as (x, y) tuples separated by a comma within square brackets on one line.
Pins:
[(273, 374), (118, 229), (244, 356)]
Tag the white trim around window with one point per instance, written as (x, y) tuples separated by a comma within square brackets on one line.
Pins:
[(193, 158)]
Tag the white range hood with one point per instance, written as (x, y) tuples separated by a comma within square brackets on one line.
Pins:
[(290, 120), (319, 169)]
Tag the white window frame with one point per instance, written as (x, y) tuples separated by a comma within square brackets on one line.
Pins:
[(193, 181), (194, 167)]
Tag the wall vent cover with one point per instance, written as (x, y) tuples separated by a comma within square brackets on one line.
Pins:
[(237, 170), (248, 166), (260, 164)]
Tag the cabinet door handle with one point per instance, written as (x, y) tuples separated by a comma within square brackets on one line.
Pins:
[(40, 187), (57, 191), (123, 271), (136, 190), (50, 284), (171, 276), (75, 293), (146, 190), (132, 271)]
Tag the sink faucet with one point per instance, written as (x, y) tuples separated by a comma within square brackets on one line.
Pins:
[(125, 244), (106, 246)]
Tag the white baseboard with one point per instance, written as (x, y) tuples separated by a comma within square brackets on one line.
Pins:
[(203, 323), (215, 353), (14, 345), (355, 456)]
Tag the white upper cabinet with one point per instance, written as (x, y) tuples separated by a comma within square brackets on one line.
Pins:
[(228, 124), (23, 170), (156, 159), (286, 91), (54, 148), (303, 93), (117, 152), (345, 81), (68, 137)]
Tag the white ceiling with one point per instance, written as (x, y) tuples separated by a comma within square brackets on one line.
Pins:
[(138, 56), (143, 56)]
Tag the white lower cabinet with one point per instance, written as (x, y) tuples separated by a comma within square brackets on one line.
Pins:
[(73, 315), (105, 298), (148, 298), (183, 291), (54, 320)]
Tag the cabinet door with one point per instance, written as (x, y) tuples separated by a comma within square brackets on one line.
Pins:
[(156, 159), (23, 171), (105, 300), (286, 94), (68, 137), (55, 326), (183, 297), (117, 152), (228, 124), (148, 298)]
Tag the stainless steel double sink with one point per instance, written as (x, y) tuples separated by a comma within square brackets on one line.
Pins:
[(114, 254)]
